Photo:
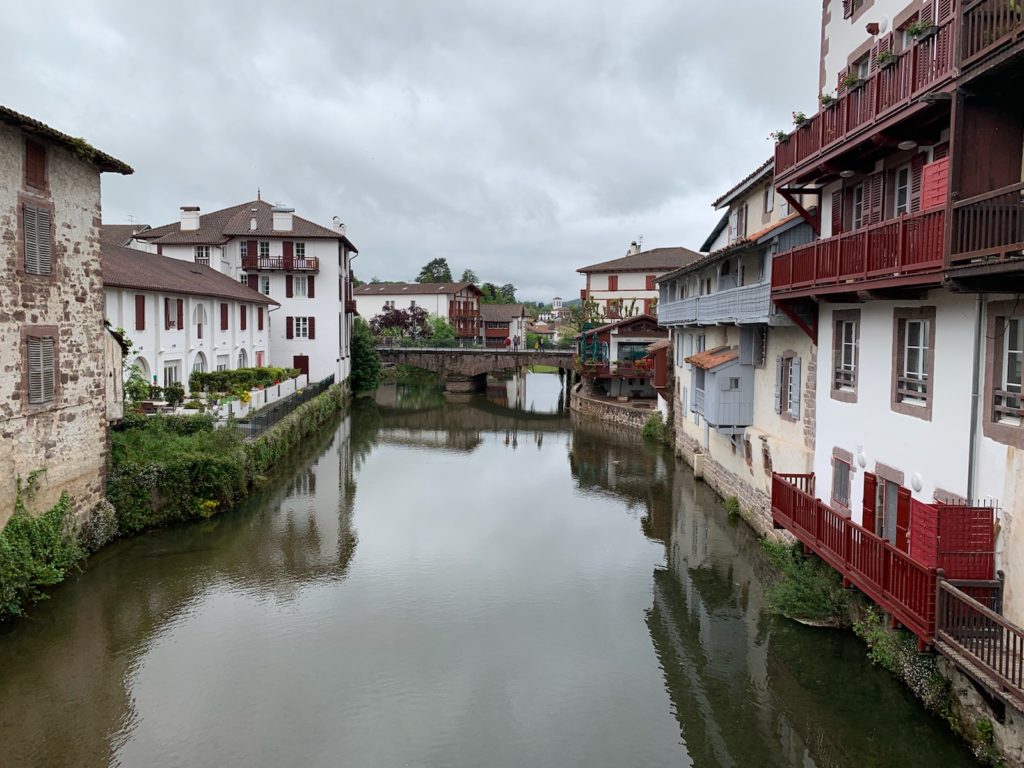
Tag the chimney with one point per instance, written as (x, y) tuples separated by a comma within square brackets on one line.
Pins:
[(282, 218), (633, 249), (189, 217), (339, 225)]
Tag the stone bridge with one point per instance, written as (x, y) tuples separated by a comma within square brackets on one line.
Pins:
[(466, 369)]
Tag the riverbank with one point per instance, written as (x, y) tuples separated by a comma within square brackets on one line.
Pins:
[(608, 410), (163, 469)]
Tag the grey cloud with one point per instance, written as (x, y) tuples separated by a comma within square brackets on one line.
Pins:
[(521, 139)]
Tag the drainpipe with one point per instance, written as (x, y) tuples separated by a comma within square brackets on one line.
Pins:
[(972, 456)]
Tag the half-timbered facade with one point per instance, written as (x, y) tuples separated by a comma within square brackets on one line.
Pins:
[(458, 303), (626, 287)]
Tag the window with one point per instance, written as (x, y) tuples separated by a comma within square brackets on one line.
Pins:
[(858, 206), (613, 282), (38, 254), (850, 7), (769, 199), (265, 285), (787, 385), (862, 67), (902, 190), (784, 208), (35, 164), (172, 374), (301, 327), (738, 223), (42, 370), (222, 362), (264, 249), (700, 343), (300, 286), (734, 384), (845, 354), (913, 355), (390, 304), (300, 250), (199, 366), (841, 471), (203, 254), (1013, 354), (412, 304), (243, 249), (199, 317)]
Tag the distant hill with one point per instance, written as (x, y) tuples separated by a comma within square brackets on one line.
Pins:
[(572, 303)]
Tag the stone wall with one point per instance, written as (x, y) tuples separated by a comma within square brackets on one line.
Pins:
[(66, 438), (613, 413)]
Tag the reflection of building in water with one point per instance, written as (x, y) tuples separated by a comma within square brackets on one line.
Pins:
[(87, 642), (509, 390), (430, 439)]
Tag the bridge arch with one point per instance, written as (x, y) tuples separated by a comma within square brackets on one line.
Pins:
[(468, 366)]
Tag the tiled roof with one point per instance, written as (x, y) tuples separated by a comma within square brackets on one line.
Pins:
[(713, 358), (219, 227), (739, 245), (78, 147), (501, 313), (767, 167), (120, 234), (397, 289), (646, 261), (663, 344), (617, 323), (132, 268)]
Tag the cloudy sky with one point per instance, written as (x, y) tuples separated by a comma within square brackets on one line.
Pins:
[(523, 139)]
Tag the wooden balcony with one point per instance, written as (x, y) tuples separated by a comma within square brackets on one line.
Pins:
[(271, 264), (746, 304), (626, 369), (987, 27), (989, 227), (889, 93), (903, 251)]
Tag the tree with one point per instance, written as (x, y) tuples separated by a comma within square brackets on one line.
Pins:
[(440, 329), (507, 294), (490, 293), (435, 271), (582, 314), (469, 276), (402, 323), (366, 368)]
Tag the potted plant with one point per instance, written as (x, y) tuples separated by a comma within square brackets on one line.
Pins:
[(885, 59), (780, 137), (851, 82), (799, 119), (827, 100), (921, 30)]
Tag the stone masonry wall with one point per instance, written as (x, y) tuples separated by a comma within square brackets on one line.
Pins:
[(67, 438), (623, 415)]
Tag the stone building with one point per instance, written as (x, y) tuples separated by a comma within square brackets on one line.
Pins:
[(53, 379)]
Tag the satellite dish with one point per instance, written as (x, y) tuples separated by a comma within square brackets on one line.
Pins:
[(883, 25)]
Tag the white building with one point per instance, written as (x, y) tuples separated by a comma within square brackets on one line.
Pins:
[(744, 389), (303, 266), (503, 321), (458, 303), (626, 287)]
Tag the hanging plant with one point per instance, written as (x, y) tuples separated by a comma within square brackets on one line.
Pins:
[(827, 99), (920, 30), (779, 136), (799, 119), (885, 59)]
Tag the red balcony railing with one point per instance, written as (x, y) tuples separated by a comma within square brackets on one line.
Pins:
[(908, 245), (929, 62), (988, 25), (989, 225), (278, 263), (903, 587)]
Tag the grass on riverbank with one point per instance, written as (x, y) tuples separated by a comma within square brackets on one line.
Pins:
[(162, 469), (543, 369)]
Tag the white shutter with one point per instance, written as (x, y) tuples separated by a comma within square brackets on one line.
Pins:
[(778, 384), (49, 373), (31, 240), (794, 388), (43, 243)]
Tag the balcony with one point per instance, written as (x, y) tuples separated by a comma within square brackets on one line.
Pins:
[(989, 227), (986, 27), (269, 264), (888, 93), (903, 251), (749, 304), (642, 368)]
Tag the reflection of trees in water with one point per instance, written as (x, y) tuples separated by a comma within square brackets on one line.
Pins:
[(608, 460), (77, 653), (751, 690)]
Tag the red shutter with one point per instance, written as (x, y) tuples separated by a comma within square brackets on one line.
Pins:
[(650, 282), (874, 197), (288, 251), (288, 286), (140, 312), (288, 328), (309, 287), (902, 518), (613, 282), (870, 497), (940, 151), (837, 212), (223, 316), (916, 173), (181, 314), (927, 14), (841, 82), (259, 318), (252, 250), (167, 314), (159, 250), (253, 281), (312, 327), (944, 10), (242, 316)]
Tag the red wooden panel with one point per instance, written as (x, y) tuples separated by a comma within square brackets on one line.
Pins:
[(613, 282), (924, 533), (259, 318), (309, 286), (180, 313), (289, 325), (140, 312), (903, 503), (288, 286), (243, 316), (837, 212), (223, 316), (312, 327), (916, 182), (966, 541), (167, 314), (935, 183), (870, 498)]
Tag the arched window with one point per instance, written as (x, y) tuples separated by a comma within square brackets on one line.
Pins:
[(199, 365), (243, 359), (140, 363)]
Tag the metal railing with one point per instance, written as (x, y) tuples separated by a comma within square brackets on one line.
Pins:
[(255, 424)]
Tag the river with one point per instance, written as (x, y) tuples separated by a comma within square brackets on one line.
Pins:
[(480, 581)]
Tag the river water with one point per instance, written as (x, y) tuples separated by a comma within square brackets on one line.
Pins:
[(431, 582)]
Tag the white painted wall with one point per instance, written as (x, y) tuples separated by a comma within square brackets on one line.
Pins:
[(371, 305), (846, 36)]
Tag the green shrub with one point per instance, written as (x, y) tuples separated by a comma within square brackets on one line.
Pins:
[(240, 379), (366, 367), (35, 551), (654, 428), (806, 588), (174, 393), (136, 388), (193, 405), (732, 506)]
